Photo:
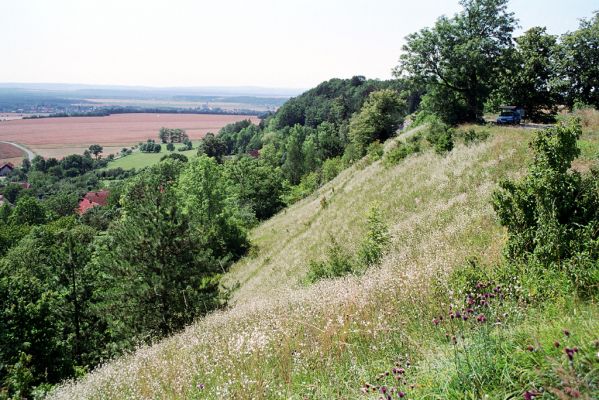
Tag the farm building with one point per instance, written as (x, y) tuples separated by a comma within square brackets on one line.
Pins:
[(93, 199), (6, 169)]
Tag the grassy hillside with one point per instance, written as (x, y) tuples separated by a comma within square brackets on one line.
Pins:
[(282, 339)]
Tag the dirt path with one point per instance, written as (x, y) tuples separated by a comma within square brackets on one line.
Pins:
[(30, 154)]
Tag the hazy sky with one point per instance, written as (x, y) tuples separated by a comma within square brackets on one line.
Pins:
[(274, 43)]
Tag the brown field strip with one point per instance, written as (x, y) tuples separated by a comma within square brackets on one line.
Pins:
[(57, 137), (10, 154)]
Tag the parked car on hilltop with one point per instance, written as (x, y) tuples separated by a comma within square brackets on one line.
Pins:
[(509, 117)]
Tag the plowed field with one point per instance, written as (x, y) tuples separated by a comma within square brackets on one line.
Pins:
[(57, 137)]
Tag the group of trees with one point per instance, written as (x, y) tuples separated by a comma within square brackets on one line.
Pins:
[(176, 135), (471, 63), (150, 146), (311, 137), (135, 270), (169, 137)]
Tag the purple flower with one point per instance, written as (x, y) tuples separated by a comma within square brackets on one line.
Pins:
[(528, 395), (570, 352)]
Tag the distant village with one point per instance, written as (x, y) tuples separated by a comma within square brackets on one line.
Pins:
[(89, 200)]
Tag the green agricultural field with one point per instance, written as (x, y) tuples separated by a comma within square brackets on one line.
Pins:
[(140, 160)]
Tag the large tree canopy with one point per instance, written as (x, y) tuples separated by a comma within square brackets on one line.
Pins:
[(530, 80), (378, 119), (579, 63), (461, 54)]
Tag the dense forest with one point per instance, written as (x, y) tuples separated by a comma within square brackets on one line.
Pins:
[(79, 289)]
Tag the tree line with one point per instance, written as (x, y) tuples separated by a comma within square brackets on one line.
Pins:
[(470, 63)]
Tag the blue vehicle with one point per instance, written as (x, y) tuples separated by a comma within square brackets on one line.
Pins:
[(509, 117)]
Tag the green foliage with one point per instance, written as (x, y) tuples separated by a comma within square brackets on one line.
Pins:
[(472, 136), (45, 305), (150, 147), (212, 146), (28, 211), (159, 267), (376, 239), (552, 214), (307, 185), (378, 119), (100, 218), (375, 151), (231, 134), (440, 136), (256, 185), (399, 152), (205, 195), (168, 135), (338, 262), (11, 192), (62, 204), (10, 235), (577, 63), (456, 60), (530, 78), (331, 168), (170, 147), (96, 150), (175, 156), (333, 101), (293, 167)]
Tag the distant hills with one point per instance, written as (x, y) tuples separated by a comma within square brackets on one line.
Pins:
[(81, 99), (121, 91)]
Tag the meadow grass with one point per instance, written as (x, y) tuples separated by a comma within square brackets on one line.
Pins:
[(282, 339), (139, 160)]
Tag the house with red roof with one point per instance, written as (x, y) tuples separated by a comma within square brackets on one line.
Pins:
[(93, 199), (6, 169)]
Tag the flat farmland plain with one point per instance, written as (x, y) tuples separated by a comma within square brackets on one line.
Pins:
[(57, 137)]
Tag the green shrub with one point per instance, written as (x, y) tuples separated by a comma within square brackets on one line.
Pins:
[(351, 154), (472, 136), (376, 240), (331, 168), (440, 136), (308, 185), (338, 262), (375, 151), (552, 215), (399, 152)]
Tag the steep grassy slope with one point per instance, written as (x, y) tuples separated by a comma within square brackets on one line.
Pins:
[(281, 339), (421, 198)]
